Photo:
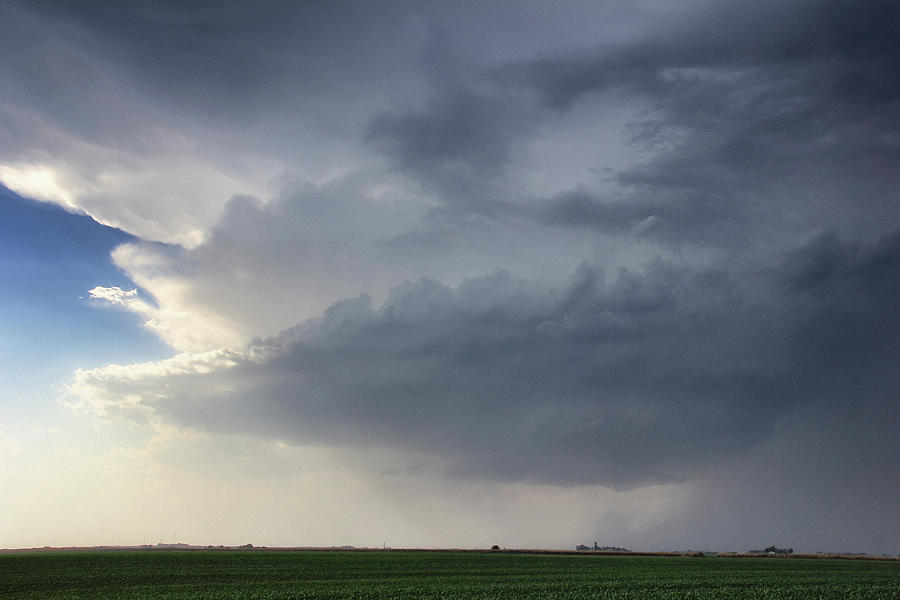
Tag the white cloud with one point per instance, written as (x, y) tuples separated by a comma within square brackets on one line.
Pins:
[(116, 295), (38, 182), (173, 198), (184, 328)]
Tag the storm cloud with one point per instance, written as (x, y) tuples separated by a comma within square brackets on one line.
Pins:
[(592, 245), (635, 379)]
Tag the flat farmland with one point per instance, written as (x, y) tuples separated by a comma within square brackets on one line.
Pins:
[(271, 575)]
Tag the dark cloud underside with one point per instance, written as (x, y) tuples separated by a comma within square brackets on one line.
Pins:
[(640, 378)]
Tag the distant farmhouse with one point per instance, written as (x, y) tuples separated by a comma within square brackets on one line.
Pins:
[(583, 548), (772, 550)]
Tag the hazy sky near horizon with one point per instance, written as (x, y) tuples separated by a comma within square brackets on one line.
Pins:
[(451, 273)]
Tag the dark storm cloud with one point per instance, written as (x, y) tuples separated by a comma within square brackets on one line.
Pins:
[(695, 217), (852, 326), (857, 36), (779, 116), (260, 80), (241, 56), (642, 377), (458, 143), (776, 111)]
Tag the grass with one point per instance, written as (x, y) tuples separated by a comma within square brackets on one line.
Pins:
[(271, 575)]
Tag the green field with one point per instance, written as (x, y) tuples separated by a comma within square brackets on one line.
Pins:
[(293, 574)]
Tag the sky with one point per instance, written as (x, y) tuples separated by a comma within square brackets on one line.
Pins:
[(431, 274)]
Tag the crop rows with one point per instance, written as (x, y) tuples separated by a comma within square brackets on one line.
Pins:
[(271, 575)]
